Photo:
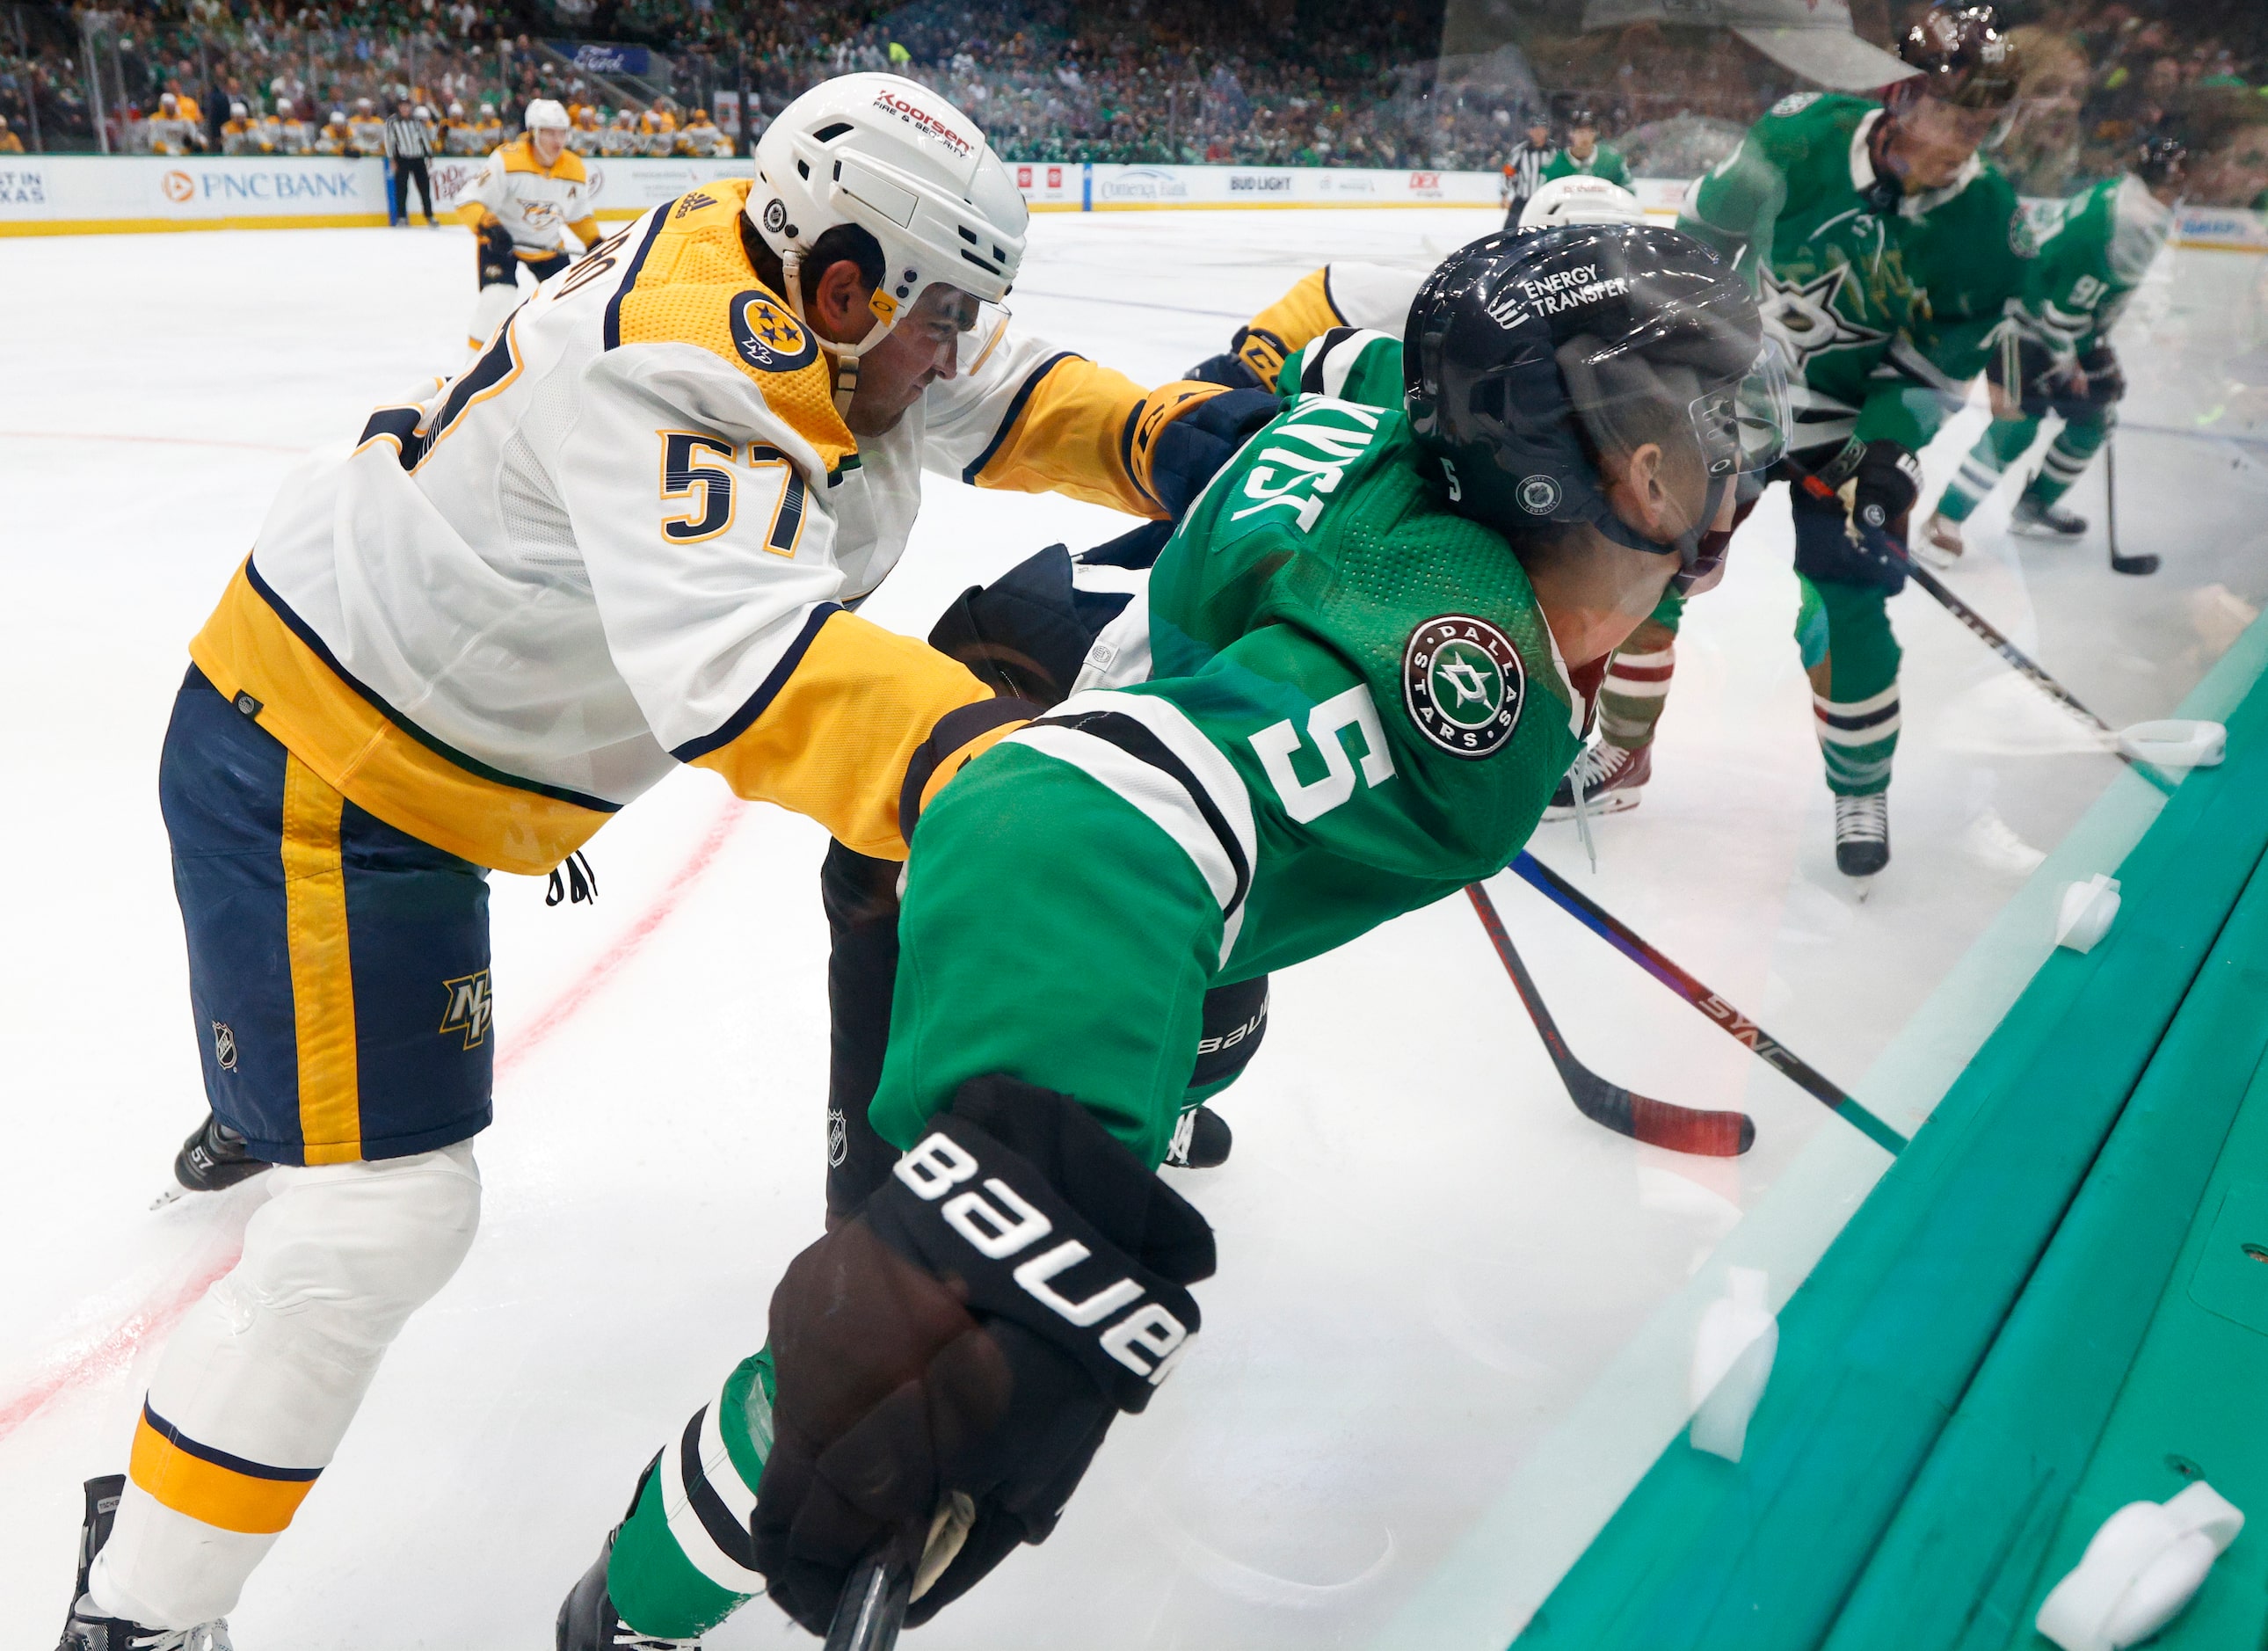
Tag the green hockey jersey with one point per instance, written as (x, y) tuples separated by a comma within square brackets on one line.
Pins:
[(1838, 283), (2095, 249), (1604, 163), (1337, 702)]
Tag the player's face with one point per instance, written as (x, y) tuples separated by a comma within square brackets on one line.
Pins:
[(1582, 140), (1932, 141), (550, 140), (922, 348)]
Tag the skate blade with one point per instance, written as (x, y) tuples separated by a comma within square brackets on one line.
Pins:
[(174, 1194), (1613, 802)]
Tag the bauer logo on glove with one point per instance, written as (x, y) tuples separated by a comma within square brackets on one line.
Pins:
[(999, 1224)]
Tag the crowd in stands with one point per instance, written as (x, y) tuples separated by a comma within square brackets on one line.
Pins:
[(1281, 82)]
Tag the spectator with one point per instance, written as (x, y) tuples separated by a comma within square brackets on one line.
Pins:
[(10, 144)]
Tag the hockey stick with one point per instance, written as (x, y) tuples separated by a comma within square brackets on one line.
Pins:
[(2039, 679), (872, 1607), (1654, 1122), (2118, 564), (1735, 1025)]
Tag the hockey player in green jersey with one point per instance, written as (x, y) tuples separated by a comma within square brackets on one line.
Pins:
[(1859, 224), (1351, 680), (1585, 157), (2095, 249)]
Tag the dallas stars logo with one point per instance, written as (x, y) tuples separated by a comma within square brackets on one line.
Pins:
[(1463, 684), (1807, 317)]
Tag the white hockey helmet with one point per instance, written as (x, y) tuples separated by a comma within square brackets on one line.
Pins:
[(905, 166), (1579, 200), (545, 112)]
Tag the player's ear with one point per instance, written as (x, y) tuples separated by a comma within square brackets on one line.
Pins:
[(838, 302), (1639, 494)]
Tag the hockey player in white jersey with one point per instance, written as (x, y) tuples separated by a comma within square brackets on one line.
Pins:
[(532, 192), (623, 540)]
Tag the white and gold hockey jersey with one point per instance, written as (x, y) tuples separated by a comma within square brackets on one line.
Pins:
[(535, 202), (623, 539)]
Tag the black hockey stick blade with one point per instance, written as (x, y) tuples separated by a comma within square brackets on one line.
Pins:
[(2137, 566), (873, 1607), (1663, 1124)]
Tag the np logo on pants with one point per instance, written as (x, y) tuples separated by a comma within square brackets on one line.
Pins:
[(469, 1007)]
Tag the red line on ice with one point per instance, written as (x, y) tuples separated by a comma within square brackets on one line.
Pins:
[(117, 1345)]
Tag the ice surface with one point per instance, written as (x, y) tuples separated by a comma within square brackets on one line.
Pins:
[(1453, 1318)]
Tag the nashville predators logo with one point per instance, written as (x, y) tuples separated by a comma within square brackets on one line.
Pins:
[(769, 338), (470, 1008), (1463, 684)]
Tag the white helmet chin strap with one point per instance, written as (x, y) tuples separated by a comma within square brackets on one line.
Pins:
[(846, 355)]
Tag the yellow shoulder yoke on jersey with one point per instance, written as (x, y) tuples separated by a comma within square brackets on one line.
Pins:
[(692, 283), (519, 156)]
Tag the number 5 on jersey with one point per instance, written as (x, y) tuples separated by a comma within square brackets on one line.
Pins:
[(701, 474)]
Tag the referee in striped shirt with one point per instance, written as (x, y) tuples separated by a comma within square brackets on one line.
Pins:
[(408, 143), (1523, 172)]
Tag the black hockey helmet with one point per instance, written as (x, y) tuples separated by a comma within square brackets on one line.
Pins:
[(1528, 356), (1965, 57), (1581, 118), (2158, 158)]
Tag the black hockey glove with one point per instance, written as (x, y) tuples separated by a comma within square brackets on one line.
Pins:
[(1018, 1280), (493, 253), (1864, 544), (1253, 361), (1887, 483), (2106, 380), (1187, 449), (1028, 632)]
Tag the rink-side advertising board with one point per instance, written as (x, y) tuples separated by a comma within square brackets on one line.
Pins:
[(66, 195)]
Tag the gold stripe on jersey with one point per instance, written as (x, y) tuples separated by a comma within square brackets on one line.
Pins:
[(1300, 317), (211, 1485), (323, 968), (247, 647), (1066, 433), (683, 290), (519, 156), (833, 740)]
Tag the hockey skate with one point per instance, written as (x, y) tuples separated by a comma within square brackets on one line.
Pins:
[(587, 1620), (87, 1629), (2035, 520), (1862, 835), (1201, 1141), (1940, 544), (1611, 779)]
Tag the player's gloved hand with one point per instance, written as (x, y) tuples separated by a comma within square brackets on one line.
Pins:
[(1252, 361), (2106, 380), (496, 258), (1029, 632), (1863, 543), (1183, 432), (1018, 1280)]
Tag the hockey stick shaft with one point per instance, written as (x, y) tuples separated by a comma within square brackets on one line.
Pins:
[(2141, 564), (1986, 632), (1655, 1123), (873, 1607), (1735, 1024)]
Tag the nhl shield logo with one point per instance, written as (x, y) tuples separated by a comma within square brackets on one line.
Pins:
[(838, 1138), (1463, 684), (223, 1045), (769, 338)]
